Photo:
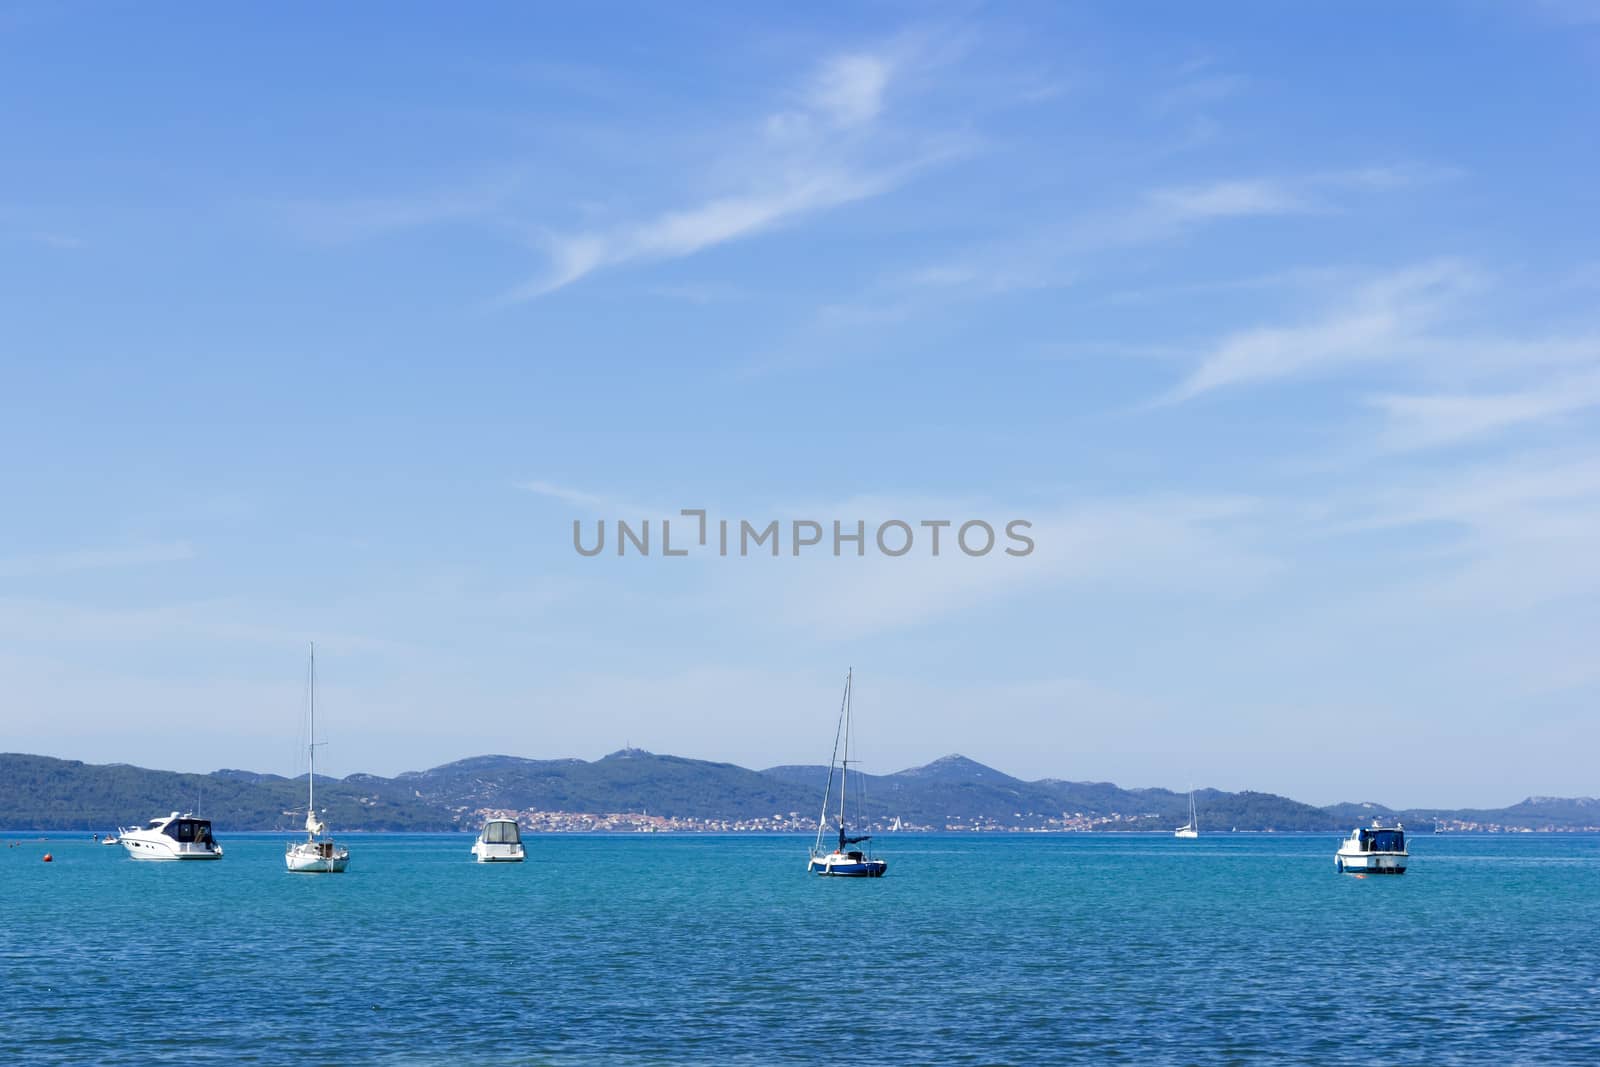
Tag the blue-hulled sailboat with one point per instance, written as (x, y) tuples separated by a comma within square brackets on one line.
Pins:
[(846, 860)]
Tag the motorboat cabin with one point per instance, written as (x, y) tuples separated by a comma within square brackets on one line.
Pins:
[(499, 842), (174, 837), (1377, 849)]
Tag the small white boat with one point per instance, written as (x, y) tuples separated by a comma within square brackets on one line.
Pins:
[(175, 837), (500, 841), (110, 839), (843, 861), (318, 853), (1191, 829), (1377, 849)]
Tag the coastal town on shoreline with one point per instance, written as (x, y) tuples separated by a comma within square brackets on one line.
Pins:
[(535, 821), (556, 822)]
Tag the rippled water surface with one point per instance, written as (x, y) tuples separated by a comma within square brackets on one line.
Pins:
[(1232, 949)]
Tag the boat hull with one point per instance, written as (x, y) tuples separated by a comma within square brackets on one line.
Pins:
[(1371, 862), (316, 858), (162, 848), (849, 868), (493, 853), (141, 849)]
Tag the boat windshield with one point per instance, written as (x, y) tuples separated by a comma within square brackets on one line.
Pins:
[(502, 833), (189, 830), (1383, 840)]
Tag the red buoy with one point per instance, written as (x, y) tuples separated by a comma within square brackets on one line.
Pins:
[(48, 858)]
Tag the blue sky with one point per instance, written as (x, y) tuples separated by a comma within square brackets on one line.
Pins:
[(1279, 327)]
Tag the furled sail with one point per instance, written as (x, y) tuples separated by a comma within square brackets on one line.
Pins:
[(315, 825)]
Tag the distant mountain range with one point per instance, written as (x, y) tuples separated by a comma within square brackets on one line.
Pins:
[(43, 793)]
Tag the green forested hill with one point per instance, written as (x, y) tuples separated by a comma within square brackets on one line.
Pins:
[(42, 793), (38, 792)]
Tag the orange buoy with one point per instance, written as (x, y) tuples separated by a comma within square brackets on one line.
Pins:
[(48, 858)]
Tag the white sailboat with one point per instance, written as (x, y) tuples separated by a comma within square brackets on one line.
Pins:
[(845, 861), (318, 853), (1190, 829)]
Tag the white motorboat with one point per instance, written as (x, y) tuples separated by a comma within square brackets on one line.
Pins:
[(174, 837), (1191, 829), (500, 841), (844, 861), (318, 853), (1377, 849)]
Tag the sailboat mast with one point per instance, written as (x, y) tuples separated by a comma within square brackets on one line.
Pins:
[(844, 764), (311, 736), (833, 761)]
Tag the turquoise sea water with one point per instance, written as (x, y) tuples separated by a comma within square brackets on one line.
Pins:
[(695, 949)]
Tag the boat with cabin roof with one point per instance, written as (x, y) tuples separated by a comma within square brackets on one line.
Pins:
[(500, 841), (174, 837), (1375, 849)]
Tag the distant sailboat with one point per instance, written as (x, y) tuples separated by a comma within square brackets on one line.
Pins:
[(844, 861), (1192, 827), (896, 825), (318, 853)]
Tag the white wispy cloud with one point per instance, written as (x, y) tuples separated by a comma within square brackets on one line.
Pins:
[(565, 494), (849, 88), (1048, 257), (1385, 176), (1295, 194), (1521, 532), (1385, 318), (1226, 199), (682, 233), (1433, 419), (814, 155), (1493, 495), (1200, 91), (1471, 384)]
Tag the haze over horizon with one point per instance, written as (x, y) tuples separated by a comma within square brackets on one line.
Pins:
[(1282, 329)]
